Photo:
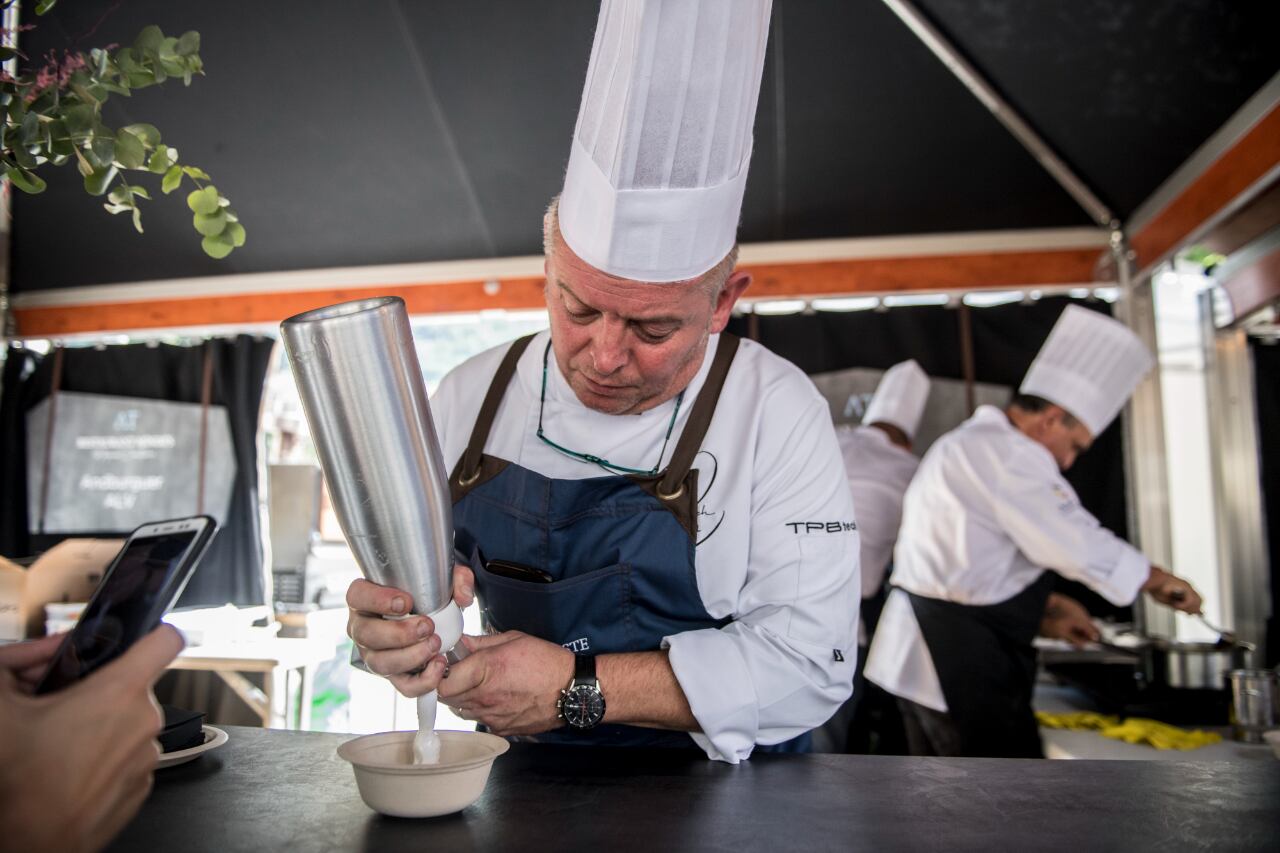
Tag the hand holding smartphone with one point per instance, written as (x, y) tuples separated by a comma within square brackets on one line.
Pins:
[(140, 585)]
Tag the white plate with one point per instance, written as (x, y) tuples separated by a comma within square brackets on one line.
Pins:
[(214, 737)]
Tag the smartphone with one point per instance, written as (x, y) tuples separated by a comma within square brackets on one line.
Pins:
[(139, 587), (515, 571)]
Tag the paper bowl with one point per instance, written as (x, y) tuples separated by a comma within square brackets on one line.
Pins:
[(390, 783)]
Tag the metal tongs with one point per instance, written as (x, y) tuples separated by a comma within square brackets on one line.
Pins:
[(1224, 636)]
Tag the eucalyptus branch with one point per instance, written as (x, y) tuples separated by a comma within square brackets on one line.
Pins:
[(53, 114)]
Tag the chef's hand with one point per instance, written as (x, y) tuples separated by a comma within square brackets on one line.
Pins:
[(78, 763), (406, 651), (510, 682), (1172, 591), (1066, 619)]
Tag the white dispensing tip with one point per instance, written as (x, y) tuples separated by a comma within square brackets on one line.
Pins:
[(448, 622)]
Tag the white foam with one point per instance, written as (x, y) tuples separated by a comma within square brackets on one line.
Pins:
[(426, 743)]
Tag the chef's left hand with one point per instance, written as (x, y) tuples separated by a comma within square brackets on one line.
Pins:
[(1066, 619), (509, 682)]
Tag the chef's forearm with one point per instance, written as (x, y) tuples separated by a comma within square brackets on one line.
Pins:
[(640, 689)]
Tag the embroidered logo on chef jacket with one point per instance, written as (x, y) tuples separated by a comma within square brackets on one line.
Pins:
[(799, 527), (1066, 502), (708, 520)]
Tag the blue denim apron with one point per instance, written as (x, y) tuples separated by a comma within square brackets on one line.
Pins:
[(619, 548)]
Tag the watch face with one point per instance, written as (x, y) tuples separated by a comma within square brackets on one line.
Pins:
[(583, 706)]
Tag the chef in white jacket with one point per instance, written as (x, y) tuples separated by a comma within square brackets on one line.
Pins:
[(987, 515), (653, 513), (879, 464)]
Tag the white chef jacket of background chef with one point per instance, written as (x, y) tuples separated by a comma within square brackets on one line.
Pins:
[(988, 510), (879, 472), (777, 543)]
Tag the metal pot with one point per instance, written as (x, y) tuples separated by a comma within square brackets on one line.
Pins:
[(1195, 665)]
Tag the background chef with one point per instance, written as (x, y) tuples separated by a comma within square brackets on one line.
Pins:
[(879, 465), (987, 513), (680, 490)]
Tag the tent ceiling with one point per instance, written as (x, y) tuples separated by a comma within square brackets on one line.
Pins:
[(399, 132)]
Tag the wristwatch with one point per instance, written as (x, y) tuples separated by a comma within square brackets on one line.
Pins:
[(581, 704)]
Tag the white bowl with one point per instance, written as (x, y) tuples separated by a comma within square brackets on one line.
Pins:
[(392, 784), (1273, 737)]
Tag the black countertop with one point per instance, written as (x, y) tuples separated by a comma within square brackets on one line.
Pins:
[(278, 790)]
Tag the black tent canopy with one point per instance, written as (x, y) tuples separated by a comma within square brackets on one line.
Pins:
[(403, 132)]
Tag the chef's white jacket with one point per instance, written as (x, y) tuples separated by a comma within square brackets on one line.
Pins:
[(987, 512), (879, 472), (777, 546)]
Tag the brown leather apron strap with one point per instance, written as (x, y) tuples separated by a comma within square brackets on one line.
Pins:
[(55, 383), (704, 408), (470, 468), (206, 397)]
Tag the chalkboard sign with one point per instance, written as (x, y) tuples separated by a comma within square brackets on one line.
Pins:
[(118, 462)]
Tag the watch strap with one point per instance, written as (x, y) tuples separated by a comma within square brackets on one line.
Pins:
[(584, 669)]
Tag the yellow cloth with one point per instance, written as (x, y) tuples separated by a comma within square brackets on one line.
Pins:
[(1133, 730)]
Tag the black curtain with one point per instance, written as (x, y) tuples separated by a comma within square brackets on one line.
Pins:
[(1006, 339), (1266, 381), (232, 569)]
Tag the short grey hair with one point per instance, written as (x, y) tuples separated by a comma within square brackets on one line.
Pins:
[(713, 280)]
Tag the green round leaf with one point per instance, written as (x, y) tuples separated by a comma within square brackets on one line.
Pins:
[(189, 43), (236, 232), (215, 248), (210, 224), (172, 179), (96, 182), (203, 201), (160, 161), (149, 39), (148, 133), (129, 152), (28, 182), (102, 150)]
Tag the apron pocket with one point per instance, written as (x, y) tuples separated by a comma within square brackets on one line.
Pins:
[(587, 613)]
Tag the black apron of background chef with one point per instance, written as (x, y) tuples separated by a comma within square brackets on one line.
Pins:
[(619, 548), (986, 664)]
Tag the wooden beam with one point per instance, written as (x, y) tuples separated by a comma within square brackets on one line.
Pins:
[(934, 273), (1255, 286), (772, 280), (1236, 171)]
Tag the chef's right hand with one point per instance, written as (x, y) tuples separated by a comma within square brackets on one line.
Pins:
[(406, 651), (1172, 591)]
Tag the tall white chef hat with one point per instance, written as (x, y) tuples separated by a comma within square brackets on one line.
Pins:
[(900, 397), (660, 152), (1089, 365)]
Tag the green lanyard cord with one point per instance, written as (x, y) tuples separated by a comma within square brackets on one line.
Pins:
[(596, 460)]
